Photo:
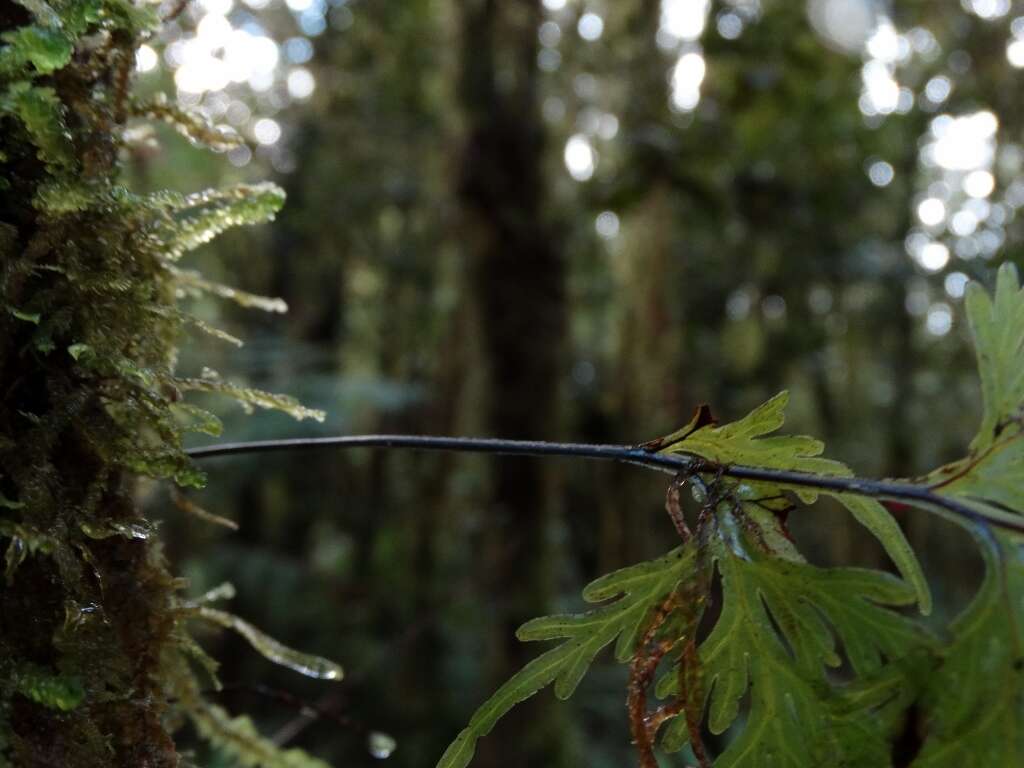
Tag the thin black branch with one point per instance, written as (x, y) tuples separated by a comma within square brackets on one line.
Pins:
[(684, 464)]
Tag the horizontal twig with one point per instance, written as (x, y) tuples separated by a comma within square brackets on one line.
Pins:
[(676, 463)]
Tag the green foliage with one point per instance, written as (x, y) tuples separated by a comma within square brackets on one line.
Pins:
[(47, 49), (636, 590), (975, 702), (192, 125), (826, 657), (23, 542), (189, 221), (42, 115), (249, 397), (194, 284), (745, 442), (992, 475), (89, 284), (90, 322), (997, 325), (238, 738), (50, 690), (776, 637)]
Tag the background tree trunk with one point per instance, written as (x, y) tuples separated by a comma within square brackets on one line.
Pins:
[(515, 275)]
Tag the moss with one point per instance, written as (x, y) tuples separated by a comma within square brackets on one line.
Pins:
[(93, 647)]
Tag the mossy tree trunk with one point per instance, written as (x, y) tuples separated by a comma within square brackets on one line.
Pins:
[(85, 608), (94, 646)]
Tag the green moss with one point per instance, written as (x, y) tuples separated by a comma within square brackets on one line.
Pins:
[(50, 690), (95, 652)]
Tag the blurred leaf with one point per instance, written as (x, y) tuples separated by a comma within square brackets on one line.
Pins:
[(239, 738), (42, 114), (192, 220), (975, 703), (45, 48)]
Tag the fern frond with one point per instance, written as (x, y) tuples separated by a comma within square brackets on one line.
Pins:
[(635, 592), (747, 442), (975, 703), (776, 638)]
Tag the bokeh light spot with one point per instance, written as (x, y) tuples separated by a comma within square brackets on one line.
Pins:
[(266, 131), (881, 173), (687, 76), (580, 159), (607, 224), (590, 27)]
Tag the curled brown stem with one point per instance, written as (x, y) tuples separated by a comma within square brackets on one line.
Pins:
[(641, 672), (675, 509)]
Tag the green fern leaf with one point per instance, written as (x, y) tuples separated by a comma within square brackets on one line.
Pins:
[(975, 703), (747, 442), (638, 589), (993, 472), (744, 442), (776, 639), (997, 326), (195, 419)]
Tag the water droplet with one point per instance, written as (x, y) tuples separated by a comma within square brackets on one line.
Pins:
[(698, 493), (132, 530), (381, 745)]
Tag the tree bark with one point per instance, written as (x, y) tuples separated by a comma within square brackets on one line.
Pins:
[(515, 273), (85, 612)]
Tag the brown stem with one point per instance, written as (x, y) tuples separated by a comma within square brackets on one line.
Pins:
[(675, 510)]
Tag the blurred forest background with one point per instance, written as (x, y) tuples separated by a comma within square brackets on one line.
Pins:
[(568, 220)]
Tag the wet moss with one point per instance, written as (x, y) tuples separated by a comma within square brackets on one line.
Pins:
[(93, 644)]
